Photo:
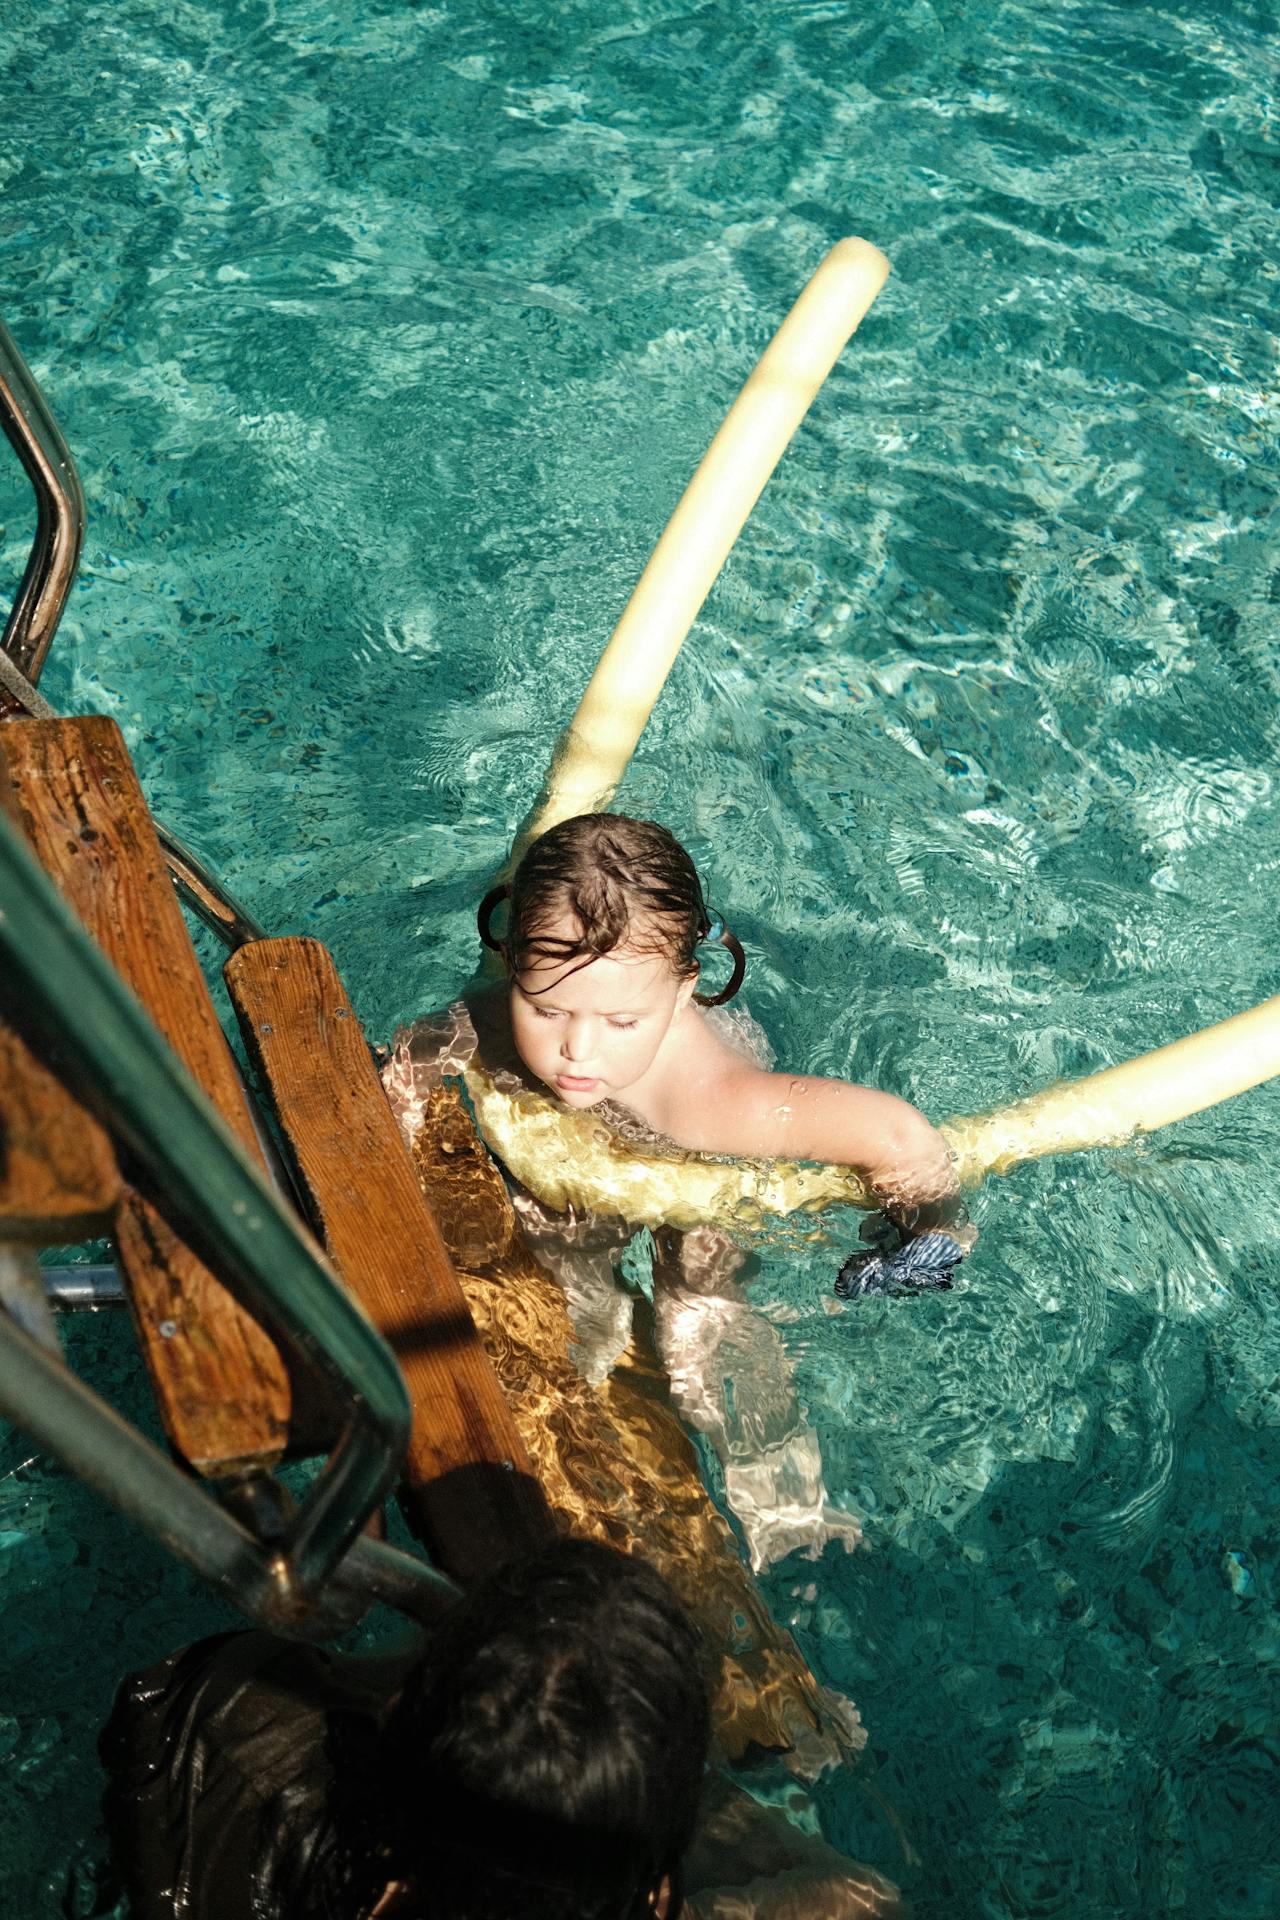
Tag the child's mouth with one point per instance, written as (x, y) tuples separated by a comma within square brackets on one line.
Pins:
[(568, 1084)]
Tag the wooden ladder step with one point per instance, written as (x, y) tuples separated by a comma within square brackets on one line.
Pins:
[(58, 1174), (468, 1488), (221, 1386)]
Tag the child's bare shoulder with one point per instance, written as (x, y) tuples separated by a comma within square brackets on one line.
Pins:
[(701, 1038), (701, 1066)]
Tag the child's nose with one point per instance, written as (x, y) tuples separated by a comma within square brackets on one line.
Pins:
[(579, 1039)]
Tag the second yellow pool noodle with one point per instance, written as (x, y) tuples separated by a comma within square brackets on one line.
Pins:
[(596, 747), (570, 1159)]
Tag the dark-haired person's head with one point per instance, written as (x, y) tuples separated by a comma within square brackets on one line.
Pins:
[(550, 1749)]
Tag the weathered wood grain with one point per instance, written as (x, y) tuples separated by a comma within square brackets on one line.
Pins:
[(58, 1175), (220, 1384), (468, 1484)]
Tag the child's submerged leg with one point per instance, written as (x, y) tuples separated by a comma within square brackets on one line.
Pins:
[(731, 1379), (581, 1254)]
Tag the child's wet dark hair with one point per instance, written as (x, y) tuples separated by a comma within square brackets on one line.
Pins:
[(549, 1751), (622, 882)]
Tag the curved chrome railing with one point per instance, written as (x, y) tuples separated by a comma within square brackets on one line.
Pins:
[(311, 1570), (55, 552), (33, 434)]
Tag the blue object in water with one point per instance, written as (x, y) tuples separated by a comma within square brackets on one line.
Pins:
[(926, 1264)]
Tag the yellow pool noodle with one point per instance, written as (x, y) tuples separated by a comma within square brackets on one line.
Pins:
[(594, 751), (1108, 1108), (571, 1159)]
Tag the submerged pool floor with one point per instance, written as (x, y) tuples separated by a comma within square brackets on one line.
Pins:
[(386, 338)]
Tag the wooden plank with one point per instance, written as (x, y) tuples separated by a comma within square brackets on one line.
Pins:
[(58, 1175), (468, 1484), (220, 1384)]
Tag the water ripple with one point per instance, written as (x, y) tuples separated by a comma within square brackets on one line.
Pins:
[(386, 339)]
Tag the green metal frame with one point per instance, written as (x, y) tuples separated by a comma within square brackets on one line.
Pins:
[(61, 994)]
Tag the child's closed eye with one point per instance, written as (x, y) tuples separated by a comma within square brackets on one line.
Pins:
[(623, 1026)]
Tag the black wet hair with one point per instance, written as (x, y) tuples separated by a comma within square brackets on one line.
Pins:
[(550, 1748), (623, 882)]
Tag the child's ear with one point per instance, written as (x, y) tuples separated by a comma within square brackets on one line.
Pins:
[(686, 989)]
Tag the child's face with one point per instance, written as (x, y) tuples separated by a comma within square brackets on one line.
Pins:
[(592, 1030)]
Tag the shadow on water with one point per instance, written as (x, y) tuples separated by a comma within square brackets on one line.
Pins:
[(1089, 1648), (85, 1598)]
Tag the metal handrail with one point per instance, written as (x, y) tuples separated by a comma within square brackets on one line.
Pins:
[(200, 889), (68, 1420), (55, 552), (33, 434), (318, 1567), (197, 887), (68, 1003), (88, 1287)]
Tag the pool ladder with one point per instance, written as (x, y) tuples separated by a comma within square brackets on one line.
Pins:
[(108, 1123)]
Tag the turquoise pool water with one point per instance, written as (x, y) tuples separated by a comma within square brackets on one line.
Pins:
[(386, 337)]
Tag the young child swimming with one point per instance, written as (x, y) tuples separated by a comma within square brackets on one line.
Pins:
[(600, 1009), (607, 914)]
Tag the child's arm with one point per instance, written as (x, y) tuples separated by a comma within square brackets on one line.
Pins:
[(728, 1106), (421, 1056)]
